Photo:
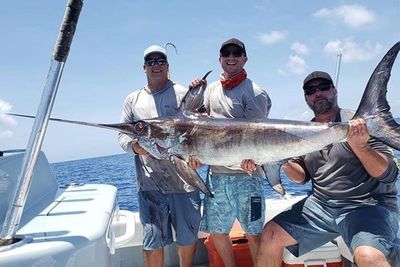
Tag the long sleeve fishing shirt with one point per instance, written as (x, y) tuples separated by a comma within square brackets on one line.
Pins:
[(246, 101), (153, 174)]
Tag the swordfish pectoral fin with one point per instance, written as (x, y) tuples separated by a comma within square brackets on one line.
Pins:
[(272, 173), (189, 175)]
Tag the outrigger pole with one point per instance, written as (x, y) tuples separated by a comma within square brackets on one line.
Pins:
[(60, 54), (337, 71)]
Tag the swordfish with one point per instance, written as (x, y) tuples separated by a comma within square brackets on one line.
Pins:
[(269, 142)]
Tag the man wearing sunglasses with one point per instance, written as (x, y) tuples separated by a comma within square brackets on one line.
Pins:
[(164, 199), (353, 191), (238, 190)]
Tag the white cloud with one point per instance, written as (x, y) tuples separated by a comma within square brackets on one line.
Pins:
[(5, 120), (295, 66), (352, 51), (352, 15), (4, 106), (299, 48), (272, 37)]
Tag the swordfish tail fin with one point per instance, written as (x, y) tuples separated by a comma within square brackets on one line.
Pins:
[(374, 107)]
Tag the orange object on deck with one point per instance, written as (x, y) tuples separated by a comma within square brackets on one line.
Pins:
[(240, 246)]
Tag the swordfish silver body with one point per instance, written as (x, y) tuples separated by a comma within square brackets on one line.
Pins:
[(227, 142)]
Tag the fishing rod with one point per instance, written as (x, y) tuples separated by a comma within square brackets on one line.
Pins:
[(59, 57)]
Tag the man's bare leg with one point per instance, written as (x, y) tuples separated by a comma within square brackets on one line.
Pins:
[(365, 256), (186, 255), (254, 241), (270, 250), (223, 245), (154, 258)]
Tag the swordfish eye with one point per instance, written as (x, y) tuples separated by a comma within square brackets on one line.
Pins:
[(140, 128)]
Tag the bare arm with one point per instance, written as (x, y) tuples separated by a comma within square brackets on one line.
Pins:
[(294, 171), (373, 161)]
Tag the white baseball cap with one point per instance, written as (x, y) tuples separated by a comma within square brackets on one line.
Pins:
[(155, 49)]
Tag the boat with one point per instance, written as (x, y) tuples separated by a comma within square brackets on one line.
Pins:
[(47, 224), (81, 224)]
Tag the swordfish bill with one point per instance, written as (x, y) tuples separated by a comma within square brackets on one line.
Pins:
[(185, 173), (269, 142)]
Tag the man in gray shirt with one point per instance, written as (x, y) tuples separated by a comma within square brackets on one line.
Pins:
[(237, 194), (164, 199), (353, 191)]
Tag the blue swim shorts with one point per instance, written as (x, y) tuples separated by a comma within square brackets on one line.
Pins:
[(240, 197), (313, 223), (158, 212)]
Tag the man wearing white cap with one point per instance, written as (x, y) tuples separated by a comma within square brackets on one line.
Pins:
[(164, 199)]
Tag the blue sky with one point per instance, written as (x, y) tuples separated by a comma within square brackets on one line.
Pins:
[(285, 41)]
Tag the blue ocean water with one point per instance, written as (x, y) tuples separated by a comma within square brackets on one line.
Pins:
[(118, 170)]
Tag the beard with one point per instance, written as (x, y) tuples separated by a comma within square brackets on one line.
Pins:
[(322, 104)]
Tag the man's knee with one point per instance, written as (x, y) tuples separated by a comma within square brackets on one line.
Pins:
[(369, 256), (273, 235)]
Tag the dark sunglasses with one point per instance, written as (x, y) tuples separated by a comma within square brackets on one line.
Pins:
[(234, 53), (309, 90), (158, 61)]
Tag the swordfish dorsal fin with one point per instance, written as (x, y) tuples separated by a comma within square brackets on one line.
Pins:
[(374, 107), (193, 99)]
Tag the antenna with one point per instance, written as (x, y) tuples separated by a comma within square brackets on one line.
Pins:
[(338, 62)]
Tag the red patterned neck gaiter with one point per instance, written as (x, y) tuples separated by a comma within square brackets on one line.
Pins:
[(234, 81)]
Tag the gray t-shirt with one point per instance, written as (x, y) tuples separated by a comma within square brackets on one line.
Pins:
[(338, 176), (153, 174), (247, 100)]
